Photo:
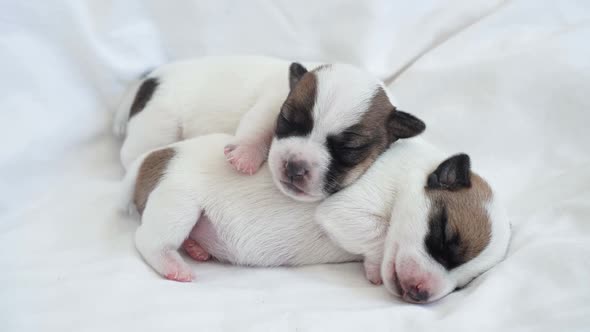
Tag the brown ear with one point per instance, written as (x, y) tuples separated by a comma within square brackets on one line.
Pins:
[(452, 174), (404, 125), (296, 72)]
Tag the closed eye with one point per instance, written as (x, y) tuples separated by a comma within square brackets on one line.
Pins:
[(444, 243), (348, 154), (353, 135), (354, 147), (350, 140)]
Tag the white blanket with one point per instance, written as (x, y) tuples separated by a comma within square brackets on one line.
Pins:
[(506, 81)]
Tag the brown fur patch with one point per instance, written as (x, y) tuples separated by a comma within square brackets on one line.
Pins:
[(467, 219), (150, 172), (304, 94), (370, 133), (296, 118), (374, 122)]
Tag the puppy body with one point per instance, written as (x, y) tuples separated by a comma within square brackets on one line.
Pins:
[(420, 228), (240, 219), (327, 125), (201, 96), (425, 224)]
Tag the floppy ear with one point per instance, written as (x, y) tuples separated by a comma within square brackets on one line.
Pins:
[(452, 174), (296, 71), (404, 125)]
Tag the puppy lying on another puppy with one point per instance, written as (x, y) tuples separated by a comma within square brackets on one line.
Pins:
[(326, 126), (423, 224)]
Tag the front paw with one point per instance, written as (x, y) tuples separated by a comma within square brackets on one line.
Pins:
[(373, 273), (245, 158)]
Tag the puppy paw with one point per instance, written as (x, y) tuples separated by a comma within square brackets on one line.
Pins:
[(373, 273), (195, 251), (245, 158), (176, 269)]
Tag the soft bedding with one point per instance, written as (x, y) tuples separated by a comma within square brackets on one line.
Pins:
[(505, 81)]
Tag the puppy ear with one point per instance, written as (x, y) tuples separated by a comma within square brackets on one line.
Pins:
[(405, 125), (296, 71), (452, 174)]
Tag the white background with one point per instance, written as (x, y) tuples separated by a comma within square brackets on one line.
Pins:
[(506, 81)]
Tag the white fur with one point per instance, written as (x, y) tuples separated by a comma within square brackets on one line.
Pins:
[(383, 217), (344, 94)]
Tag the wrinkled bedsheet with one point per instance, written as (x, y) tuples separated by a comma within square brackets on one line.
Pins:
[(506, 81)]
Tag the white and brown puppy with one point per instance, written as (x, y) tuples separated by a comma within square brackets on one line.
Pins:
[(326, 125), (424, 224)]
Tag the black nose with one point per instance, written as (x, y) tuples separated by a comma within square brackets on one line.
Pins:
[(295, 169), (417, 295)]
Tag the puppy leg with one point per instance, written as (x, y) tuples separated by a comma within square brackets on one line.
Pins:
[(373, 271), (147, 130), (374, 259), (167, 220), (254, 135), (195, 251), (356, 232)]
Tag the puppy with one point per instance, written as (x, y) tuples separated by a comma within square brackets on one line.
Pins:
[(424, 224), (326, 125)]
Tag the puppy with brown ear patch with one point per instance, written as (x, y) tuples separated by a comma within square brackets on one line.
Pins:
[(320, 128), (438, 224), (423, 223)]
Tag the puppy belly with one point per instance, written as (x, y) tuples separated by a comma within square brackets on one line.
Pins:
[(206, 235)]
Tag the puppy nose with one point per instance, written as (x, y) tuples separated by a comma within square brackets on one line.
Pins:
[(295, 169), (417, 294)]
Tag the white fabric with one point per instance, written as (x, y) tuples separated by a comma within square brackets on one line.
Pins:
[(506, 81)]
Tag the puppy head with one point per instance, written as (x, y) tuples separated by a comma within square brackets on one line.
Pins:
[(443, 234), (334, 123)]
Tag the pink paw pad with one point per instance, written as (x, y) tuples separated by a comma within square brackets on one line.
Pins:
[(373, 273), (177, 277), (376, 281), (177, 270), (244, 158), (195, 251)]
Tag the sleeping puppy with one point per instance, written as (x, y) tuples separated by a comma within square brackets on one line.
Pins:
[(423, 223), (326, 125)]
